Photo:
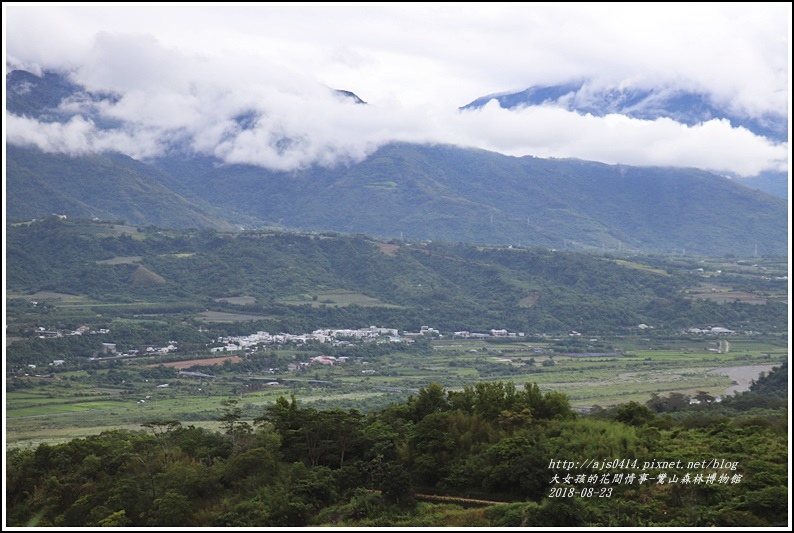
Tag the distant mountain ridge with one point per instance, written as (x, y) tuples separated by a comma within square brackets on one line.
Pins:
[(454, 194), (410, 191), (683, 106), (104, 186), (686, 107), (40, 97)]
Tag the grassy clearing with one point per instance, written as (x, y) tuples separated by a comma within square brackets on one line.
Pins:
[(388, 249), (638, 266), (128, 260), (238, 300), (48, 295), (123, 228), (178, 256), (224, 317), (530, 300), (62, 408), (336, 298), (729, 296)]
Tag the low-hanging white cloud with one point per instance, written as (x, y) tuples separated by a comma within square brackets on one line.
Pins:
[(80, 136), (547, 131), (251, 86)]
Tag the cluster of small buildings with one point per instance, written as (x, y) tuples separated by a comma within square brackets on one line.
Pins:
[(327, 360), (715, 330), (44, 333), (159, 350), (340, 337), (335, 337), (503, 333), (424, 330), (109, 351)]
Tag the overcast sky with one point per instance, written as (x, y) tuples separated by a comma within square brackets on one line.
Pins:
[(186, 71)]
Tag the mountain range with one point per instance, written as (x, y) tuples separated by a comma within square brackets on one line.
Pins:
[(401, 191), (684, 106)]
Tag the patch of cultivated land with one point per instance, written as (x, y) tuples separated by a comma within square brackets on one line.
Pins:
[(338, 298), (46, 295), (730, 296), (221, 316), (121, 260), (200, 362), (238, 300), (388, 249), (52, 406)]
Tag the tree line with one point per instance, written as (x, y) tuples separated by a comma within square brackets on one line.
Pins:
[(451, 287), (300, 466)]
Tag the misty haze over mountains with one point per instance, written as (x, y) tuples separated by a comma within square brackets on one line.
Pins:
[(398, 189), (686, 107), (691, 108)]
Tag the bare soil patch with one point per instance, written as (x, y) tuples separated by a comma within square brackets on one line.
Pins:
[(201, 362), (529, 300), (388, 249)]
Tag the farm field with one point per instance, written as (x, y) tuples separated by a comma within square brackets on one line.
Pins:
[(213, 293), (221, 316), (336, 298), (61, 408)]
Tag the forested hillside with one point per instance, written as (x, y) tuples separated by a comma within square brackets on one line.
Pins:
[(435, 191), (453, 194), (264, 268), (484, 453), (104, 186), (452, 287), (525, 456)]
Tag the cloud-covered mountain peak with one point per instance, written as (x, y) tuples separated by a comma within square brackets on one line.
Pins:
[(281, 127), (683, 105)]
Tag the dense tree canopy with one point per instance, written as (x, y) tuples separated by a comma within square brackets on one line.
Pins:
[(453, 287), (299, 466)]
